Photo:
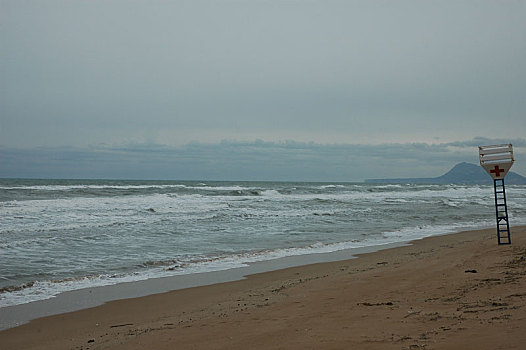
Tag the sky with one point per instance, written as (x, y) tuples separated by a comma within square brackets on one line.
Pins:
[(309, 90)]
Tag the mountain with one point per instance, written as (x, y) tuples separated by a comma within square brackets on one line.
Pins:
[(462, 173)]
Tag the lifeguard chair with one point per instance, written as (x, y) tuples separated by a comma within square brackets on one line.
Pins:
[(497, 161)]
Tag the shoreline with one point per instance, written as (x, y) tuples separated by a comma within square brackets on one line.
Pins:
[(91, 296), (84, 298), (449, 288)]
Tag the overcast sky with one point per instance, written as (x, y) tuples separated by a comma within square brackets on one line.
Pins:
[(250, 89)]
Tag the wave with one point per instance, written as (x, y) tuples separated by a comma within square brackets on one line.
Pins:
[(88, 187), (151, 230), (244, 193), (331, 186), (272, 193), (44, 289)]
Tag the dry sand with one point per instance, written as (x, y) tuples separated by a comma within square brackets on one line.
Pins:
[(459, 291)]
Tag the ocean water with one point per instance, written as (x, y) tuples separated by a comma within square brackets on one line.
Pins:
[(61, 235)]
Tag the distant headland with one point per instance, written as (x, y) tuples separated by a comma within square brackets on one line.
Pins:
[(462, 173)]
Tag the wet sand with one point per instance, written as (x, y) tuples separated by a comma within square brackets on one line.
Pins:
[(459, 291)]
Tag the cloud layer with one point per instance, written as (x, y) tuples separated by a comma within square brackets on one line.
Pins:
[(257, 160)]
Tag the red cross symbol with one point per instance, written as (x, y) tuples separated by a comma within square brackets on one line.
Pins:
[(497, 171)]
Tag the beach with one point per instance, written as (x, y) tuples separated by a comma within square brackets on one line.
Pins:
[(456, 291)]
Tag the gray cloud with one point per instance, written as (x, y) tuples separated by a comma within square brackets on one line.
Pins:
[(480, 141), (256, 160)]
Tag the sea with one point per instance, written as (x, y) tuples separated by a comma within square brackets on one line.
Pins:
[(64, 235)]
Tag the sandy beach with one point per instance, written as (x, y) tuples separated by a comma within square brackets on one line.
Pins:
[(458, 291)]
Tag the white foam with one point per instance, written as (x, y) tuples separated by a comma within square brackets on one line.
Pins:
[(271, 193), (90, 187), (281, 214), (48, 289)]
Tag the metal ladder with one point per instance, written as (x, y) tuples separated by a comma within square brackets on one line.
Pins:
[(501, 208)]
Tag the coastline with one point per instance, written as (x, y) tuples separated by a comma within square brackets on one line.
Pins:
[(75, 300), (448, 291)]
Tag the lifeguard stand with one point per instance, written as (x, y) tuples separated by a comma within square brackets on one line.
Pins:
[(497, 161)]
